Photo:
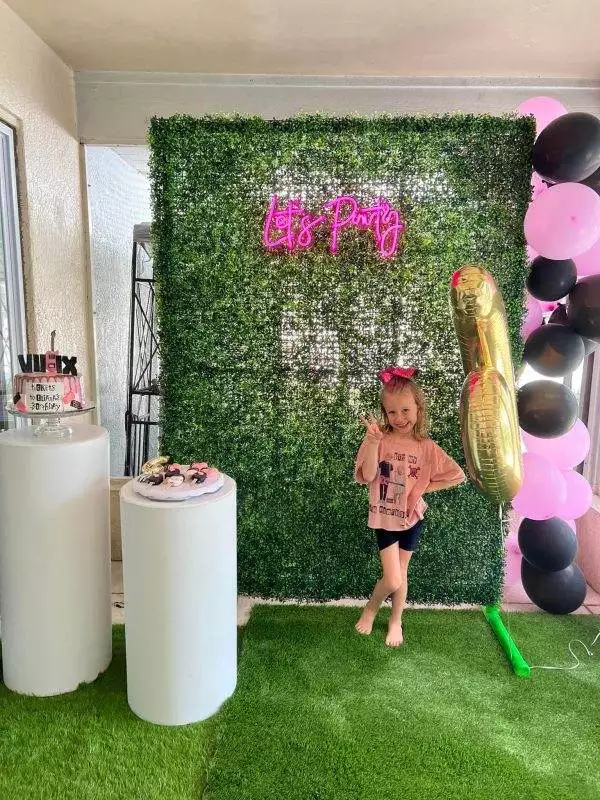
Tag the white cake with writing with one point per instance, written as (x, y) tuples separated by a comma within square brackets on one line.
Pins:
[(44, 393), (49, 383)]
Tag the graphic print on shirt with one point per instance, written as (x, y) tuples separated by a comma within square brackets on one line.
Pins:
[(392, 480), (385, 474)]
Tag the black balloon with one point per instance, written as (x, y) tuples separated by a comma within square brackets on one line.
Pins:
[(558, 592), (551, 280), (554, 350), (559, 317), (546, 409), (593, 181), (568, 149), (547, 544), (583, 307)]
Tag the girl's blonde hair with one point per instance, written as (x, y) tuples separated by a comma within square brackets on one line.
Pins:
[(397, 385)]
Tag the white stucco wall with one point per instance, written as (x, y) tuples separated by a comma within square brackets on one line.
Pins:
[(119, 198), (37, 97)]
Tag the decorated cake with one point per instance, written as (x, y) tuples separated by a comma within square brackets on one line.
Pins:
[(48, 384), (161, 479)]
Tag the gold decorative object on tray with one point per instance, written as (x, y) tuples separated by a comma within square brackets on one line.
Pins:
[(156, 465)]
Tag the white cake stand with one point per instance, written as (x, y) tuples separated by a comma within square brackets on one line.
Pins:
[(49, 423)]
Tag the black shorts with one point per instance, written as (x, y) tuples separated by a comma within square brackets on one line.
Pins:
[(407, 539)]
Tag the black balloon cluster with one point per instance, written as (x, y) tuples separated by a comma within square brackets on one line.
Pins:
[(548, 573), (567, 150)]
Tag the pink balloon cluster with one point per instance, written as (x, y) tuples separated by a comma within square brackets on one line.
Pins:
[(551, 487)]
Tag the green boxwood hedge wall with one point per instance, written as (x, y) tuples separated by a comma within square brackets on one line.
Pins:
[(268, 357)]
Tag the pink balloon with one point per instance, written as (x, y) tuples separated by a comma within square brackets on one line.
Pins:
[(588, 263), (544, 109), (531, 254), (564, 451), (544, 489), (514, 520), (579, 496), (548, 306), (534, 316), (564, 221), (537, 186)]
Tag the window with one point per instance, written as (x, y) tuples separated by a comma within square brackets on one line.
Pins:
[(12, 312)]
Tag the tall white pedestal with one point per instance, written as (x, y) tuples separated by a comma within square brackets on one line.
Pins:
[(55, 612), (180, 584)]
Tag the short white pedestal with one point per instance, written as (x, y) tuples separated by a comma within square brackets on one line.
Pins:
[(54, 559), (180, 584)]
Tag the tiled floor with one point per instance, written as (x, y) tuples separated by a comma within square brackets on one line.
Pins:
[(514, 599)]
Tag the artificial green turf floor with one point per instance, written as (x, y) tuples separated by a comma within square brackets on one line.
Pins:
[(323, 714), (320, 712), (88, 745)]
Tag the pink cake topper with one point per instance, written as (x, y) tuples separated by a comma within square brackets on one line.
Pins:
[(297, 226), (51, 355)]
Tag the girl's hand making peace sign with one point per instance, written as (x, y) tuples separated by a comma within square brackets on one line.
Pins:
[(372, 426)]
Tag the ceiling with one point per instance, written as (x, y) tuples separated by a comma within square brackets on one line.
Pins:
[(438, 38)]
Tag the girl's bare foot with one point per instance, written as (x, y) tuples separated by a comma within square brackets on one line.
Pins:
[(365, 623), (394, 636)]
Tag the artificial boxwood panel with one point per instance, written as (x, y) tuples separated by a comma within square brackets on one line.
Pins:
[(268, 357)]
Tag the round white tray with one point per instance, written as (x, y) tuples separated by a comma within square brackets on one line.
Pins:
[(186, 491)]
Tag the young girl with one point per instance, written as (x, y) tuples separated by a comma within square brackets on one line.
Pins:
[(400, 464)]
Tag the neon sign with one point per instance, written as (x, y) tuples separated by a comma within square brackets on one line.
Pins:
[(297, 226)]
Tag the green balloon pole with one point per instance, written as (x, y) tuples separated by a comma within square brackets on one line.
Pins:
[(519, 665)]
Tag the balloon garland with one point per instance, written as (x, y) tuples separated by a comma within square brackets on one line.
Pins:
[(562, 229)]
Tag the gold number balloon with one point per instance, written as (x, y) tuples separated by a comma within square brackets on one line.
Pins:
[(488, 406)]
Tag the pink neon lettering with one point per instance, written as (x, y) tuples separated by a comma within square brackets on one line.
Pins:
[(338, 223), (297, 226), (282, 220), (307, 223)]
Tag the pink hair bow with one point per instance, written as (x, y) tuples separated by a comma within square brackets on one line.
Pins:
[(386, 375)]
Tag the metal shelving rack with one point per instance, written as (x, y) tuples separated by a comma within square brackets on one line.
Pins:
[(142, 426)]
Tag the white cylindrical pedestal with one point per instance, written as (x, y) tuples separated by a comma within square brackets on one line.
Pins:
[(180, 584), (55, 612)]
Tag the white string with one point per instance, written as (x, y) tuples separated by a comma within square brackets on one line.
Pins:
[(577, 660)]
